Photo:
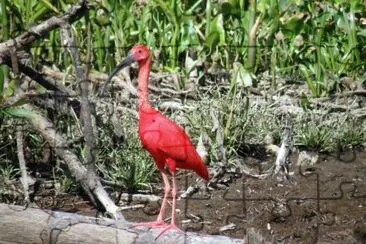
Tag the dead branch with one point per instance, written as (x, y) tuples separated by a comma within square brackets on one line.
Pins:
[(359, 92), (221, 154), (284, 153), (33, 225), (19, 133), (23, 169), (94, 77), (39, 78), (92, 184), (86, 114)]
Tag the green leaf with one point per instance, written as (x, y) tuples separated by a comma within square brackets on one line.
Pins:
[(212, 40), (362, 33), (231, 8), (294, 24), (18, 112), (216, 34), (241, 76), (310, 83), (188, 35), (10, 89), (50, 6), (2, 78)]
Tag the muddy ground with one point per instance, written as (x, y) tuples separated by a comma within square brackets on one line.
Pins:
[(323, 203)]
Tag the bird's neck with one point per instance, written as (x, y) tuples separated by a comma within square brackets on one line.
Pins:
[(143, 83)]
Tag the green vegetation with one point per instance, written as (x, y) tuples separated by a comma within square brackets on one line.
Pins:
[(329, 133), (318, 41), (314, 43), (122, 160), (9, 172)]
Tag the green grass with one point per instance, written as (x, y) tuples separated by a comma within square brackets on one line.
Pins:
[(131, 168), (312, 136), (329, 133), (332, 37), (350, 134), (122, 159), (8, 172), (240, 121)]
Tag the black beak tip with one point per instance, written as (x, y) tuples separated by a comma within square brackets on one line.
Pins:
[(126, 62)]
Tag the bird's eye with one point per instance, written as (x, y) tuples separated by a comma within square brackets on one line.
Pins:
[(140, 51)]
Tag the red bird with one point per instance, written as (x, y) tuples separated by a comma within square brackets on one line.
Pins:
[(167, 143)]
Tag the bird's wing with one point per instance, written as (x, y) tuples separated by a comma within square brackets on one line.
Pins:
[(169, 144), (173, 141)]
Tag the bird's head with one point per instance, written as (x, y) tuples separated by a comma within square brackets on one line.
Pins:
[(139, 53)]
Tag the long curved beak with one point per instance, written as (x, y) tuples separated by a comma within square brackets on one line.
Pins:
[(126, 62)]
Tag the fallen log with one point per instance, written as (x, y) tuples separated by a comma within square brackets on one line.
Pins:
[(33, 225)]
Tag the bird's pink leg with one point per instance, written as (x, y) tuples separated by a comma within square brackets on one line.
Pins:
[(159, 221), (172, 225)]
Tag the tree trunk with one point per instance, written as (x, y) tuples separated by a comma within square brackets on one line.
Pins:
[(31, 225)]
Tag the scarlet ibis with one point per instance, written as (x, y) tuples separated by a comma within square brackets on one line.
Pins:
[(167, 143)]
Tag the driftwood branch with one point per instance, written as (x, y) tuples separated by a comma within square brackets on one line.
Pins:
[(221, 153), (86, 114), (92, 184), (284, 152), (23, 169), (33, 225), (39, 78)]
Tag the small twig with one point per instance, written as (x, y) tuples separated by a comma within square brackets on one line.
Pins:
[(134, 207), (23, 169), (221, 154), (193, 189), (19, 132), (284, 153), (39, 78), (334, 107), (125, 109), (351, 93), (246, 171), (139, 198), (172, 105)]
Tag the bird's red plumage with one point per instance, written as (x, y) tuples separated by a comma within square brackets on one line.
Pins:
[(164, 139)]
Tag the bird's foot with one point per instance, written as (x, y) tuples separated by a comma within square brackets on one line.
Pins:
[(167, 228), (153, 224)]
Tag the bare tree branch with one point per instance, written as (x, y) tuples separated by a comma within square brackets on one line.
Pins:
[(91, 185), (40, 79), (19, 132), (23, 169), (86, 118), (284, 152)]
